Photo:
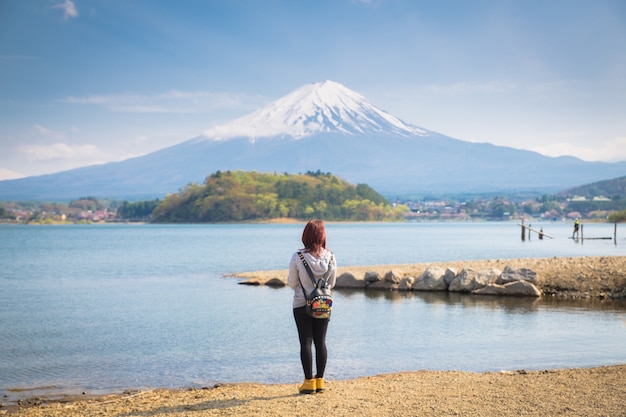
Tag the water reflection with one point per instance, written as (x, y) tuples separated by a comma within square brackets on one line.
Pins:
[(514, 305), (607, 305)]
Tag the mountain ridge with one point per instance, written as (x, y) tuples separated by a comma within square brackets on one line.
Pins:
[(605, 188), (327, 127)]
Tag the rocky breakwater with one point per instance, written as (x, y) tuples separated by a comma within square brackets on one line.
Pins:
[(492, 281), (511, 281), (568, 277)]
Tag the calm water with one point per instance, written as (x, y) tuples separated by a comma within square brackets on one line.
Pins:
[(104, 308)]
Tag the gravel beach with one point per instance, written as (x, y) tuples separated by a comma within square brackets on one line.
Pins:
[(568, 392)]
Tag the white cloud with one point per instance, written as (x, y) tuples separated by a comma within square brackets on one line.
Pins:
[(59, 151), (69, 9), (466, 88), (7, 174), (228, 131), (173, 101), (44, 131), (609, 151)]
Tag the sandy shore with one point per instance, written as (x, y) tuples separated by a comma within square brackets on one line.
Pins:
[(568, 392)]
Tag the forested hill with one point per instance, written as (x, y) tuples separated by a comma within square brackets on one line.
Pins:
[(614, 188), (246, 196)]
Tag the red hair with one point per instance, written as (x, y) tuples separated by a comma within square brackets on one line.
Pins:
[(314, 236)]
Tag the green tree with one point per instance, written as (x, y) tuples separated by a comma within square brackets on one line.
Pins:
[(617, 217), (137, 210), (5, 214)]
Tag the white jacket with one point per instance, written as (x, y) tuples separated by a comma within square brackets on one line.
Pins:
[(319, 266)]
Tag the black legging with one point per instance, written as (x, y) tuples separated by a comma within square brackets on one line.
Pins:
[(311, 330)]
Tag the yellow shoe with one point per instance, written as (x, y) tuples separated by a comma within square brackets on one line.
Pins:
[(308, 386), (319, 384)]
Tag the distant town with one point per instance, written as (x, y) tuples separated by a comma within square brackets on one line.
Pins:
[(90, 210), (546, 208)]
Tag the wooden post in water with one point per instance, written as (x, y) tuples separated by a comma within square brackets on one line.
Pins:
[(615, 233), (530, 229), (582, 236)]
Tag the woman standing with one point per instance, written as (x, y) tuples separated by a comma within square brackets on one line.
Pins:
[(311, 330)]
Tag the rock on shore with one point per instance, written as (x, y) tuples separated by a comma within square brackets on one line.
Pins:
[(601, 277)]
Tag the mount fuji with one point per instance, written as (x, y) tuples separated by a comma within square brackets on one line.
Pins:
[(326, 107), (323, 126)]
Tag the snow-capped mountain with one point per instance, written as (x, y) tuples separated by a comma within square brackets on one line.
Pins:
[(315, 108), (323, 126)]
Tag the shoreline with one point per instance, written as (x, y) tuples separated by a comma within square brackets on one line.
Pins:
[(597, 391)]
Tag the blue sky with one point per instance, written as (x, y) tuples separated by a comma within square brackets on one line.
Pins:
[(91, 81)]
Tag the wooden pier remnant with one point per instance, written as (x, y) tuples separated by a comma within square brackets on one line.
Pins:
[(530, 229), (579, 235), (582, 237)]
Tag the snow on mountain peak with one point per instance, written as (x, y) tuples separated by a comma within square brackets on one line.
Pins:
[(313, 108)]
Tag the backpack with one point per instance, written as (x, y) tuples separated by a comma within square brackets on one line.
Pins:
[(319, 302)]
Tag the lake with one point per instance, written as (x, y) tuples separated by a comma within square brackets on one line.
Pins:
[(102, 308)]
